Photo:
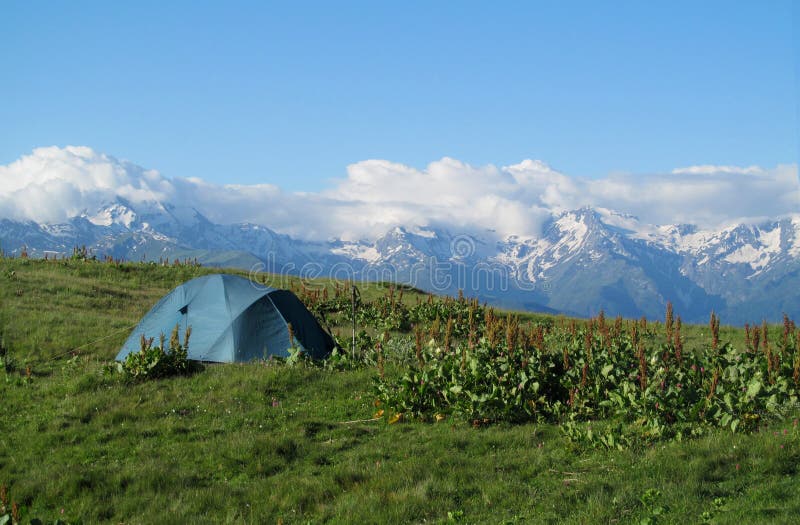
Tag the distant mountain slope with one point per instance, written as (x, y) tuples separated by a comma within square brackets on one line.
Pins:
[(586, 260)]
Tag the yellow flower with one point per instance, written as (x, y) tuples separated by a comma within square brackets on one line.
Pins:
[(395, 418)]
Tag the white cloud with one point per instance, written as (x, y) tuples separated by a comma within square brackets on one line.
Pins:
[(448, 192), (704, 196), (709, 169), (52, 184)]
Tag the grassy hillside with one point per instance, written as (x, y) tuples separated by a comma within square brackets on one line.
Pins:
[(270, 443)]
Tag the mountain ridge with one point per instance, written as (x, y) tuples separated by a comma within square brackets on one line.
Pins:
[(585, 260)]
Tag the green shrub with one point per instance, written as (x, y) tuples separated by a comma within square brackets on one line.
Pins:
[(152, 362), (605, 385)]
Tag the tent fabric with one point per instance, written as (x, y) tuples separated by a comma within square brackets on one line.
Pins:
[(233, 319)]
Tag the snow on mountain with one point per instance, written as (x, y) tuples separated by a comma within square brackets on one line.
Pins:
[(114, 214), (573, 234), (794, 234), (357, 251), (756, 247), (759, 252)]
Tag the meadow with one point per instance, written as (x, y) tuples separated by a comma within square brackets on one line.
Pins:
[(447, 411)]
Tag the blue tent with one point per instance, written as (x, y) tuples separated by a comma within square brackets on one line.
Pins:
[(233, 319)]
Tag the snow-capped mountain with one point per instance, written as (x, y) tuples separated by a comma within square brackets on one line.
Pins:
[(584, 261)]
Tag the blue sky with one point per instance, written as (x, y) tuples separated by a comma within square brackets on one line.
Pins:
[(292, 93)]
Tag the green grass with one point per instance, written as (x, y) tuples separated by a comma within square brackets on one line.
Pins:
[(266, 443)]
